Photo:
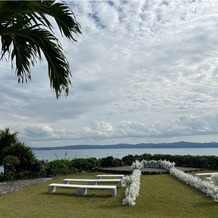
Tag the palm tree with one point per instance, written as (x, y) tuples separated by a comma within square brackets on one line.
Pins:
[(27, 34), (6, 140), (24, 154)]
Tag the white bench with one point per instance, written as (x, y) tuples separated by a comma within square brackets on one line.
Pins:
[(200, 175), (95, 181), (109, 176), (82, 189), (208, 178)]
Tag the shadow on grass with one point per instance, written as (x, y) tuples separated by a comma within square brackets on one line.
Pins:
[(75, 195), (59, 194), (110, 206), (96, 196), (205, 204)]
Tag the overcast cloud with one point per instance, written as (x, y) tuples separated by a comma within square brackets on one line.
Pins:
[(143, 71)]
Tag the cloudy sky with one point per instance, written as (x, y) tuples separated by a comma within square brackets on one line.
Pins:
[(143, 71)]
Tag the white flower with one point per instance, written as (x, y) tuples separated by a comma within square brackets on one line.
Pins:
[(127, 181), (128, 202), (158, 164), (137, 165), (132, 184), (214, 178), (204, 186)]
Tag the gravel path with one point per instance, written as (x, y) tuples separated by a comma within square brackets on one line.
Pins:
[(11, 186)]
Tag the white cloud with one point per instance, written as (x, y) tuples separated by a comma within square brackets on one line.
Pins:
[(142, 71)]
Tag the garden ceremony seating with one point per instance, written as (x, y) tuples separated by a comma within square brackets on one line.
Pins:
[(82, 189), (109, 176), (92, 184), (95, 181), (201, 175)]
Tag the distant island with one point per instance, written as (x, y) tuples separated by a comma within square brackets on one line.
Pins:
[(181, 144)]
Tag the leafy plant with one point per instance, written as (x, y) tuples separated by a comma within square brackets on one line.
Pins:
[(27, 35), (23, 153), (7, 138), (10, 162)]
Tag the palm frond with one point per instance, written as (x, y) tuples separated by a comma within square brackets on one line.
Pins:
[(65, 20), (26, 32), (36, 40)]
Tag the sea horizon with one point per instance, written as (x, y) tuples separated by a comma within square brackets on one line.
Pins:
[(51, 155), (179, 144)]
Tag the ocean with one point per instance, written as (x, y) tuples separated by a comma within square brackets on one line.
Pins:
[(119, 153)]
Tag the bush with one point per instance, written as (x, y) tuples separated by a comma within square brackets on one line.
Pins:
[(110, 162), (58, 167), (128, 160), (10, 162), (23, 153), (81, 164), (62, 167)]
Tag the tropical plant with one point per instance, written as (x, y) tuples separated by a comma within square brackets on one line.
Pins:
[(23, 153), (27, 32), (9, 162), (6, 140)]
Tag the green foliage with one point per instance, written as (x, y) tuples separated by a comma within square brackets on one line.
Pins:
[(89, 164), (128, 160), (62, 167), (58, 167), (6, 140), (23, 153), (10, 162), (107, 161), (110, 162), (21, 175), (16, 157), (27, 33)]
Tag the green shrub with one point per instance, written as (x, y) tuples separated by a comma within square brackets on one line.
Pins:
[(10, 162), (81, 164)]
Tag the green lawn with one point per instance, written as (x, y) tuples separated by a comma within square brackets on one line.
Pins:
[(160, 196)]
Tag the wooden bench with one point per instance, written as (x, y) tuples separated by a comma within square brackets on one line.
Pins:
[(82, 189), (95, 181), (200, 175), (109, 176)]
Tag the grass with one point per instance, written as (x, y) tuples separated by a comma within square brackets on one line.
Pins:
[(160, 196)]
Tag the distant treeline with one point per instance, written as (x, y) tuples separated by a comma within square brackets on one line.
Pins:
[(45, 168), (132, 146)]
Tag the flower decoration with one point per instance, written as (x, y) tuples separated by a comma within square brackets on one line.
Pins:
[(206, 187), (214, 178), (132, 184)]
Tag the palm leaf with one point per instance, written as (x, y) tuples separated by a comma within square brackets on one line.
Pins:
[(26, 32), (36, 40)]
